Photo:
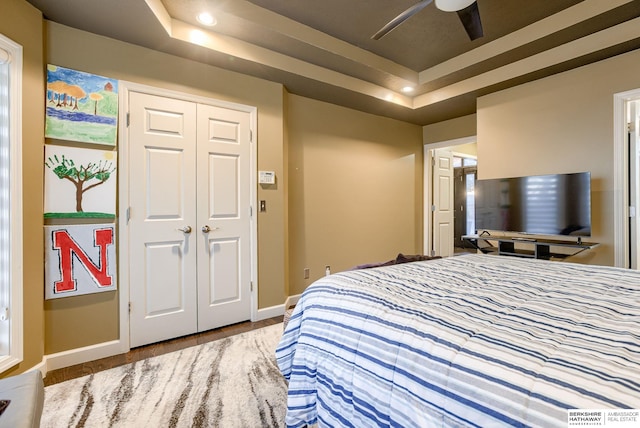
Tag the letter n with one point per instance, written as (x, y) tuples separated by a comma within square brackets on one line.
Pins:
[(67, 248)]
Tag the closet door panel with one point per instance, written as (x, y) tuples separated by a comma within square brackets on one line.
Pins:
[(163, 281)]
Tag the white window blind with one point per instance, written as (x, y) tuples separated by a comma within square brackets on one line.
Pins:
[(5, 198), (11, 322)]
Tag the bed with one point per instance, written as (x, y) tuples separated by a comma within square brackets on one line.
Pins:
[(474, 340)]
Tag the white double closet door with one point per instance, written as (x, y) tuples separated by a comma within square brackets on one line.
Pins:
[(189, 225)]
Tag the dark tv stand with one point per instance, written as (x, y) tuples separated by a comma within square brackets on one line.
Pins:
[(528, 247)]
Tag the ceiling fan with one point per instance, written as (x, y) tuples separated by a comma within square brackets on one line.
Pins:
[(467, 12)]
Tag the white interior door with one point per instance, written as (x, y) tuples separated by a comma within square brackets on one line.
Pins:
[(442, 209), (162, 136), (224, 250)]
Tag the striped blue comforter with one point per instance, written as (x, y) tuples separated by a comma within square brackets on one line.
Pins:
[(477, 340)]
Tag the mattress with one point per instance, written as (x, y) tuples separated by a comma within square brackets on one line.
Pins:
[(466, 341)]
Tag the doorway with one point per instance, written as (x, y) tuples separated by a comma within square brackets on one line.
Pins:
[(446, 220), (465, 174), (189, 233), (626, 165), (633, 156)]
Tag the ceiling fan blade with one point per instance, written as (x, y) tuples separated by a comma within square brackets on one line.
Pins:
[(470, 18), (401, 18)]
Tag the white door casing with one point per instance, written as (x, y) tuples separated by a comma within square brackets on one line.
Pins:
[(224, 252), (190, 224), (634, 183), (162, 136), (621, 177), (443, 202)]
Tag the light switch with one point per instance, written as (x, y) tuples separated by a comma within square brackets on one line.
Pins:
[(263, 206)]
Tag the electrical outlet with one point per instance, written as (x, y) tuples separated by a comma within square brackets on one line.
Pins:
[(306, 273), (327, 270)]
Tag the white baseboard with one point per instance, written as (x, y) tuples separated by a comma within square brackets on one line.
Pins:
[(276, 311), (273, 311), (292, 300), (82, 355)]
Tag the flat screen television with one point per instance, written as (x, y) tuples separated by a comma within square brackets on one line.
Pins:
[(556, 204)]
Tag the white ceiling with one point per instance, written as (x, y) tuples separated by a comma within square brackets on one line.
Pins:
[(323, 49)]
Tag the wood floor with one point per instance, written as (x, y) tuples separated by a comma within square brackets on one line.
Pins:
[(142, 352)]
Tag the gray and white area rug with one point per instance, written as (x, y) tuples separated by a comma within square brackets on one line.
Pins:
[(232, 382)]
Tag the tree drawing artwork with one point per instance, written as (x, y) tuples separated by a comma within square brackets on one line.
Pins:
[(95, 97), (83, 177), (80, 106), (63, 95)]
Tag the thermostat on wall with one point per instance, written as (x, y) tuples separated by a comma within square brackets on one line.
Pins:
[(266, 177)]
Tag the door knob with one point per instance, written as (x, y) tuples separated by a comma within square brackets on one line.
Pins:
[(186, 229), (207, 229)]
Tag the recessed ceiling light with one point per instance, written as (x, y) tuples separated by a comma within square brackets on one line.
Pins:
[(205, 18), (408, 89)]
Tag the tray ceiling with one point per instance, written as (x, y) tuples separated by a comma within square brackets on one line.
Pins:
[(324, 50)]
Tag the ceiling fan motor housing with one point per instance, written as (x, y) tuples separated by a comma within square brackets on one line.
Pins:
[(453, 5)]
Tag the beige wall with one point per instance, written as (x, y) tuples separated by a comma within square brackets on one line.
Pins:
[(22, 23), (560, 124), (460, 127), (355, 188), (94, 318), (470, 149)]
